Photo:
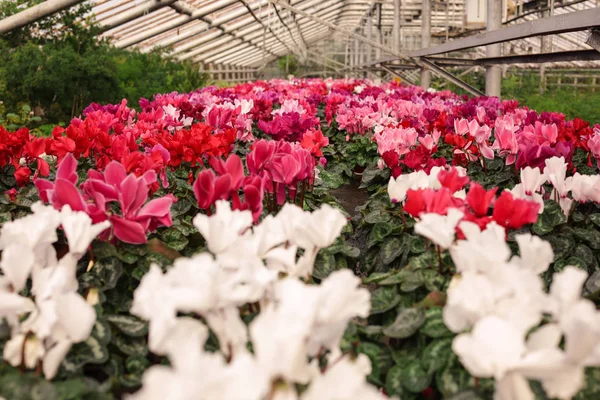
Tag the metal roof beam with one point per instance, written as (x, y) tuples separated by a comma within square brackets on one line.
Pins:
[(216, 56), (576, 21), (136, 12), (175, 23), (239, 57), (35, 13), (256, 30)]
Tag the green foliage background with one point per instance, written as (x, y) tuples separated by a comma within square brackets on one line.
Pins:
[(59, 65)]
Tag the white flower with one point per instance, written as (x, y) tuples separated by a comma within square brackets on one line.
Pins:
[(556, 170), (151, 302), (79, 230), (398, 187), (13, 305), (245, 105), (531, 180), (440, 229), (585, 188), (320, 228), (565, 291), (222, 229), (535, 254), (344, 380), (340, 300), (470, 298), (482, 250), (491, 349), (16, 265)]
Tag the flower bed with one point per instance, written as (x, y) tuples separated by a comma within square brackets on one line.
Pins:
[(195, 249)]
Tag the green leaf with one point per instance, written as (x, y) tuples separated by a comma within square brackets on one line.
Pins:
[(331, 180), (397, 277), (174, 238), (129, 325), (103, 249), (592, 285), (414, 377), (585, 254), (181, 207), (376, 277), (391, 249), (436, 354), (595, 218), (589, 236), (104, 274), (379, 232), (393, 381), (384, 299), (5, 217), (137, 364), (369, 175), (434, 326), (130, 346), (407, 322), (452, 380), (91, 351), (549, 219), (324, 265), (412, 281), (377, 216), (373, 351), (562, 245), (26, 387), (101, 330), (417, 245)]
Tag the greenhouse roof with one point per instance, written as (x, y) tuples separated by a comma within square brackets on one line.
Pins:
[(251, 32)]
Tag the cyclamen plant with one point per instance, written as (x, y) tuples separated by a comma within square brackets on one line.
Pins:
[(205, 233)]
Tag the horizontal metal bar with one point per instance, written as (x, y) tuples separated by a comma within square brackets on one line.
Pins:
[(35, 13), (575, 21), (563, 56), (448, 76)]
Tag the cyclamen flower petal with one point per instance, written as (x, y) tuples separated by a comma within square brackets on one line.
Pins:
[(79, 230), (128, 231), (439, 229)]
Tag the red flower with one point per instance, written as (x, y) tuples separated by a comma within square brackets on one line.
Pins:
[(313, 141), (452, 180), (22, 175), (479, 199), (514, 213), (12, 194)]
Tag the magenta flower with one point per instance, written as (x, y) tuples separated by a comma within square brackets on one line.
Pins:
[(114, 185)]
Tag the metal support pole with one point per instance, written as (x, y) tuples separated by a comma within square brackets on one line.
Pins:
[(425, 39), (545, 47), (35, 13), (378, 32), (493, 74), (396, 27), (368, 47)]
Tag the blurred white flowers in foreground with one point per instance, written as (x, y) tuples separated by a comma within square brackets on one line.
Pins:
[(43, 330), (516, 327), (260, 267)]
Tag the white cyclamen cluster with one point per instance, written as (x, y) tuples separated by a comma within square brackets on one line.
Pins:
[(583, 188), (502, 300), (59, 316), (259, 266)]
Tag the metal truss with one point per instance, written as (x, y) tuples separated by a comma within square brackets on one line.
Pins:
[(238, 35)]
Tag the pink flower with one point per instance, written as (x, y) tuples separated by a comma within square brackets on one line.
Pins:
[(506, 139)]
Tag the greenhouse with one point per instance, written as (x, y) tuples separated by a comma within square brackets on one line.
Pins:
[(300, 199)]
